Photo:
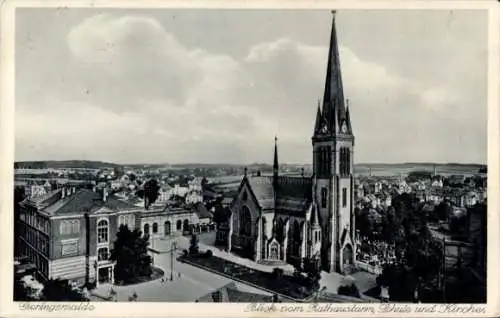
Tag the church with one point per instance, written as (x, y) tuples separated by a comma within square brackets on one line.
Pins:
[(291, 219)]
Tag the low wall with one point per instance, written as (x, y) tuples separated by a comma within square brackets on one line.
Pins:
[(369, 268)]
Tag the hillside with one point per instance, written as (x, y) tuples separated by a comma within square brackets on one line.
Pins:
[(68, 164)]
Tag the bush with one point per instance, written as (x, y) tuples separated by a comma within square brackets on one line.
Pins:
[(277, 273), (349, 290), (209, 253), (185, 252), (194, 245)]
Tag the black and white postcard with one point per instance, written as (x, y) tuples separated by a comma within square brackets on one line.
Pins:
[(292, 158)]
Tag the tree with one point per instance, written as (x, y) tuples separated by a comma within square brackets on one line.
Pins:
[(312, 269), (194, 245), (150, 192), (350, 290), (391, 226), (365, 223), (130, 251), (60, 290), (20, 291), (443, 210), (419, 253)]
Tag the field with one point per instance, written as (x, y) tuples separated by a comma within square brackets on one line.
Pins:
[(405, 169)]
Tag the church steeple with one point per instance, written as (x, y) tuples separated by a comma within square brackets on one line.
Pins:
[(333, 100), (275, 164)]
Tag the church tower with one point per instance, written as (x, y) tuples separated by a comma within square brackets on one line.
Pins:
[(333, 144)]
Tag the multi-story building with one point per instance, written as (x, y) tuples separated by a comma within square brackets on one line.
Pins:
[(68, 233)]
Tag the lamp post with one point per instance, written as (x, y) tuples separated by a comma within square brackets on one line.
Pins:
[(153, 248), (172, 252), (319, 293)]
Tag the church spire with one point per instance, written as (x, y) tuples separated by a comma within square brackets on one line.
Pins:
[(275, 164), (317, 124), (333, 100)]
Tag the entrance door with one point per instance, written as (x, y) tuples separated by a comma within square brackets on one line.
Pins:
[(104, 275), (347, 258)]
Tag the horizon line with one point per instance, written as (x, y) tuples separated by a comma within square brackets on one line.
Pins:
[(253, 163)]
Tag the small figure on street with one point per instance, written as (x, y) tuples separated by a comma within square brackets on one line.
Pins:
[(384, 294), (179, 275)]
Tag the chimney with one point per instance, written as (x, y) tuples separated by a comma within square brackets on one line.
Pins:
[(63, 193), (146, 202), (104, 194)]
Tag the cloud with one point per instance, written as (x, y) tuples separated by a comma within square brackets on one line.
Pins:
[(133, 92)]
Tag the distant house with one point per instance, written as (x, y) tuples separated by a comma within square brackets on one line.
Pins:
[(205, 217)]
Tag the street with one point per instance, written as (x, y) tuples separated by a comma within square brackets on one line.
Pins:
[(192, 284)]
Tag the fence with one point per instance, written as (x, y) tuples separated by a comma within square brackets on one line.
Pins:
[(369, 268)]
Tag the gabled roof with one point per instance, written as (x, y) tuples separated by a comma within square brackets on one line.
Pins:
[(262, 189), (201, 210), (87, 201), (288, 193)]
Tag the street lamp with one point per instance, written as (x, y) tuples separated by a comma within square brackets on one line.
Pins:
[(172, 251), (153, 248), (318, 293)]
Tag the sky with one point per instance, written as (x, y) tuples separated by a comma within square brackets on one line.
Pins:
[(216, 86)]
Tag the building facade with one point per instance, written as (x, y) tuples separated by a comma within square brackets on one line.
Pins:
[(292, 219), (68, 233)]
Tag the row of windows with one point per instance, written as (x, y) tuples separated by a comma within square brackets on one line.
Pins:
[(324, 197), (35, 258), (167, 227), (35, 238), (324, 159), (128, 220), (31, 218), (68, 227)]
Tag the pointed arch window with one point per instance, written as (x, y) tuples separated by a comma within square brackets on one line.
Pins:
[(245, 222), (324, 194), (345, 161)]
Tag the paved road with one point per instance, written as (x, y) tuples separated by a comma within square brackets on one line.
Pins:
[(192, 284)]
